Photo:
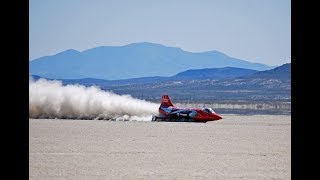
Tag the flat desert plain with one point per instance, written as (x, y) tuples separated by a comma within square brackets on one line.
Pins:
[(236, 147)]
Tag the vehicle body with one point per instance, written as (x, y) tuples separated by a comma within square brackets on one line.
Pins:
[(168, 112)]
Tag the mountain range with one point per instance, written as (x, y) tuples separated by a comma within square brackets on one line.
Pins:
[(227, 83), (193, 74), (134, 61), (269, 85)]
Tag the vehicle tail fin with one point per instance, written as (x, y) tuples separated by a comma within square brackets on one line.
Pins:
[(165, 101)]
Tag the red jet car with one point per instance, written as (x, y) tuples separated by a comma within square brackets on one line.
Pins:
[(168, 112)]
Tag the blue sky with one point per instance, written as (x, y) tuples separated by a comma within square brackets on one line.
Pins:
[(253, 30)]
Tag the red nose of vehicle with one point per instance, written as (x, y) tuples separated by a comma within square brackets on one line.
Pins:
[(216, 116)]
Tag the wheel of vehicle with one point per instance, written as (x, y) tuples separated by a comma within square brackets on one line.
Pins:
[(154, 118)]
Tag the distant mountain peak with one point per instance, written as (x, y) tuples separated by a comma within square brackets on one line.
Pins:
[(69, 51), (283, 71), (145, 44), (280, 69), (150, 45), (284, 67)]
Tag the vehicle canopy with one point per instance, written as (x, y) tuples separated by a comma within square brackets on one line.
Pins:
[(208, 110)]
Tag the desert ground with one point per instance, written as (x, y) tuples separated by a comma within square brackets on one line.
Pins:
[(236, 147)]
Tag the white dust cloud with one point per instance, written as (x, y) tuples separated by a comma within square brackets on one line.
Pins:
[(50, 99)]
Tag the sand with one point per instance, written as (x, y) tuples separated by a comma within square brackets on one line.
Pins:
[(237, 147)]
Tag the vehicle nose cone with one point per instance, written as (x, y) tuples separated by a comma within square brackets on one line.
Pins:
[(216, 116)]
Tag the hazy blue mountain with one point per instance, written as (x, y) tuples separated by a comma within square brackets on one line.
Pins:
[(214, 73), (131, 61), (281, 72), (283, 69)]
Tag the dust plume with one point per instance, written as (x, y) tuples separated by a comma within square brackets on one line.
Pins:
[(50, 99)]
